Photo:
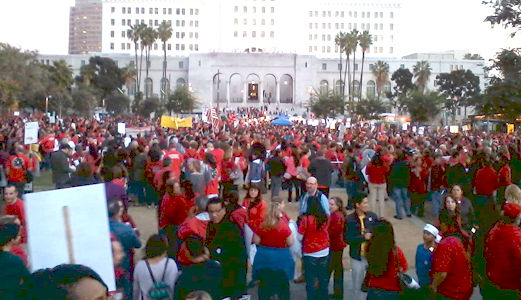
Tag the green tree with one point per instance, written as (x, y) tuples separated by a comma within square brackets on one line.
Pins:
[(422, 72), (181, 101), (503, 94), (402, 85), (149, 37), (134, 34), (506, 13), (60, 82), (365, 40), (459, 88), (423, 107), (103, 74), (117, 103), (148, 106), (84, 100), (353, 44), (164, 33), (370, 109), (381, 74), (326, 104), (348, 49)]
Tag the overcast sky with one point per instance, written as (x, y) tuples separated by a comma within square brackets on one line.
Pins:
[(427, 26)]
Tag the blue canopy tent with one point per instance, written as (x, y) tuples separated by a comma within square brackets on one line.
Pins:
[(281, 121)]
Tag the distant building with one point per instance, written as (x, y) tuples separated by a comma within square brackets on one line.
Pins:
[(199, 26), (279, 81)]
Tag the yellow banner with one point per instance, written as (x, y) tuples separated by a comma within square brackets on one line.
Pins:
[(510, 128), (175, 123)]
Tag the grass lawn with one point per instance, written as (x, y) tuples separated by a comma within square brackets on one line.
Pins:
[(44, 182)]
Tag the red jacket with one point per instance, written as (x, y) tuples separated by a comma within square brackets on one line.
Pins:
[(377, 174), (503, 256), (505, 176), (486, 181), (174, 210), (336, 231)]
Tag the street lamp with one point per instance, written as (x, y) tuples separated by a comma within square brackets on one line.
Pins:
[(47, 103)]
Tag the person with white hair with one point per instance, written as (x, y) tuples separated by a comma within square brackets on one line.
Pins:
[(424, 255)]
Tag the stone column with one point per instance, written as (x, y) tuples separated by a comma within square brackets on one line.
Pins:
[(277, 96), (260, 92), (228, 92)]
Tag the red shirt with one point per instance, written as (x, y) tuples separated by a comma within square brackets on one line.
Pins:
[(239, 217), (177, 161), (376, 174), (336, 231), (505, 176), (450, 257), (17, 209), (274, 237), (314, 239), (151, 169), (503, 256), (486, 181), (190, 227), (418, 184), (304, 162), (256, 214), (17, 165), (47, 144), (389, 280), (174, 210)]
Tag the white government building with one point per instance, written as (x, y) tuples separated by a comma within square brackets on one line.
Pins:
[(246, 53)]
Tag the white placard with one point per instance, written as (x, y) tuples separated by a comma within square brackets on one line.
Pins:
[(454, 129), (421, 130), (121, 128), (31, 133), (404, 126), (85, 210), (52, 119), (16, 113)]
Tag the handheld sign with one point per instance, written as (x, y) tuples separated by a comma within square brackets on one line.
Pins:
[(70, 226), (121, 128), (31, 133)]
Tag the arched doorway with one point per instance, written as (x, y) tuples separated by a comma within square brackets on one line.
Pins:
[(286, 89), (269, 93), (219, 88), (253, 83), (180, 82), (236, 88)]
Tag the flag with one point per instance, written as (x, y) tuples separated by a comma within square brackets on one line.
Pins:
[(214, 119)]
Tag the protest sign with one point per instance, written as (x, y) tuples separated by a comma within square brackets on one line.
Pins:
[(31, 133), (121, 128), (70, 226)]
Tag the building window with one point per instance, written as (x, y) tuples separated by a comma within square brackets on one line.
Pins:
[(244, 34), (197, 35), (129, 22), (254, 9), (112, 22), (176, 46), (263, 10), (122, 46), (254, 22), (263, 34), (273, 10), (272, 21), (196, 23), (112, 33), (182, 23), (190, 47), (253, 34), (235, 8), (177, 11), (328, 49), (123, 10), (191, 11), (182, 47), (381, 26), (235, 33), (128, 46), (310, 50), (112, 9), (402, 66), (157, 23), (370, 89), (177, 23), (142, 10), (310, 37), (82, 62), (245, 9), (183, 11), (356, 67), (169, 46), (170, 11), (263, 22), (391, 15), (391, 49), (123, 21), (137, 10), (197, 12), (391, 26), (235, 21), (123, 33), (363, 14), (150, 22), (155, 46), (196, 47), (339, 67), (150, 11)]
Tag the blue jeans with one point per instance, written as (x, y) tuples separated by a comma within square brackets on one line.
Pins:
[(352, 189), (376, 294), (436, 198), (317, 279), (401, 196), (276, 185)]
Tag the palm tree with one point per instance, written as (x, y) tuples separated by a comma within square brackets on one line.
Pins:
[(339, 42), (365, 40), (134, 34), (354, 44), (381, 74), (164, 32), (422, 72), (148, 38)]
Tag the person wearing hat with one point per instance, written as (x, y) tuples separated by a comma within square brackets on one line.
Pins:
[(502, 255), (60, 166), (424, 255)]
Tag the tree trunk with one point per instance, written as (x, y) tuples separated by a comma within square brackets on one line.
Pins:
[(136, 66), (340, 74), (346, 73), (141, 64), (353, 83), (164, 70), (361, 76)]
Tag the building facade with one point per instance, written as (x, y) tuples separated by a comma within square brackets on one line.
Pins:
[(278, 81), (306, 27)]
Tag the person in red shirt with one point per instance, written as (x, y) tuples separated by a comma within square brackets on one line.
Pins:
[(153, 165), (451, 267), (47, 146), (337, 243), (176, 158), (255, 207), (485, 183), (14, 206), (377, 172), (192, 227), (385, 260), (504, 178), (16, 168), (502, 255), (273, 238), (418, 185), (315, 248)]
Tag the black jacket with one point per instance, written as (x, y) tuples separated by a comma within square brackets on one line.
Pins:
[(400, 175), (321, 168), (354, 236), (60, 168), (276, 166)]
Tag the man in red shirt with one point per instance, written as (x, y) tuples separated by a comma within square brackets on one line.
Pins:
[(16, 167), (451, 270), (485, 184), (177, 160), (14, 206), (502, 255), (47, 146)]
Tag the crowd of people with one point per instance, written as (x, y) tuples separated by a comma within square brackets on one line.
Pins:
[(208, 234)]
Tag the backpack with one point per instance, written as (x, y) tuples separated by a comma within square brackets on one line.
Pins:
[(159, 290)]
